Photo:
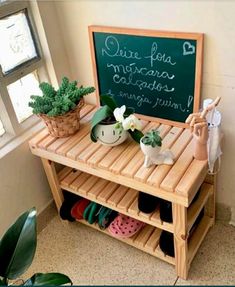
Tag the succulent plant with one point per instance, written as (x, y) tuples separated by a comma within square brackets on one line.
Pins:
[(152, 138), (55, 103)]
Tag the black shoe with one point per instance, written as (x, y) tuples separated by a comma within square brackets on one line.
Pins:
[(166, 211), (166, 243), (147, 203), (69, 200)]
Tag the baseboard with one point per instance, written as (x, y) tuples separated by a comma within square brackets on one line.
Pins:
[(46, 215)]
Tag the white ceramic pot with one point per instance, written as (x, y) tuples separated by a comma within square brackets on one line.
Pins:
[(109, 134), (151, 153)]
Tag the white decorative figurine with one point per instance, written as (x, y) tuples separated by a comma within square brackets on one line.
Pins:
[(150, 145)]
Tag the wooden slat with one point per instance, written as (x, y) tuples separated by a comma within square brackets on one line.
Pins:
[(79, 147), (117, 195), (87, 185), (145, 215), (70, 178), (38, 138), (192, 179), (79, 180), (155, 216), (98, 155), (153, 240), (73, 140), (88, 151), (143, 173), (128, 199), (196, 207), (133, 209), (144, 235), (107, 191), (178, 147), (113, 154), (178, 169), (64, 172), (97, 188)]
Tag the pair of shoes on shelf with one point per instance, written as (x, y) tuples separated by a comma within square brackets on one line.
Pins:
[(166, 242), (69, 200), (95, 212), (125, 226)]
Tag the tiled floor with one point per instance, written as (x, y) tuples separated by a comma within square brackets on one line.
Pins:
[(89, 257)]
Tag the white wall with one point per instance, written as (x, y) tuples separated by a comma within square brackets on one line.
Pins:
[(214, 18), (23, 183)]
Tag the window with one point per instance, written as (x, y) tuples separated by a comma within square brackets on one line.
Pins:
[(21, 67)]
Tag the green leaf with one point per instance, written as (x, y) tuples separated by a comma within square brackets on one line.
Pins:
[(48, 279), (18, 245), (109, 101), (136, 135), (101, 114)]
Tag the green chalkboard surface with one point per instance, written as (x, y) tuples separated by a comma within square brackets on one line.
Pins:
[(156, 73)]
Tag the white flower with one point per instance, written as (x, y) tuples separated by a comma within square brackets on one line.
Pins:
[(132, 123), (119, 113)]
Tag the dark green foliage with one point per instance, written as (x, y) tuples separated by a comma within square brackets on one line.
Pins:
[(152, 138), (55, 103), (17, 249)]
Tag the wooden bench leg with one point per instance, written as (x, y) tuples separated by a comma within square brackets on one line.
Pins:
[(180, 240), (51, 174)]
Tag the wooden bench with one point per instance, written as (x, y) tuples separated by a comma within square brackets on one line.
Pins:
[(112, 176)]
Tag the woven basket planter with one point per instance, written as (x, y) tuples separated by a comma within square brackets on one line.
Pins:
[(64, 125)]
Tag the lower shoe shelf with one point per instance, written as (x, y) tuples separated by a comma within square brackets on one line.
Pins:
[(109, 194), (147, 239)]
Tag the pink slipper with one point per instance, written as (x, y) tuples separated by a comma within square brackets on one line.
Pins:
[(125, 226)]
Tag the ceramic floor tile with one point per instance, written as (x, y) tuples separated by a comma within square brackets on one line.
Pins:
[(89, 257), (214, 263)]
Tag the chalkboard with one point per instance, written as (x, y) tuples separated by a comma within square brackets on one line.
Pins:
[(157, 73)]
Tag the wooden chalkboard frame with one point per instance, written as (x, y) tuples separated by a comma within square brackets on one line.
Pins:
[(153, 33)]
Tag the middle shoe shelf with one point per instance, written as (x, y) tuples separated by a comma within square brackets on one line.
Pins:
[(121, 198)]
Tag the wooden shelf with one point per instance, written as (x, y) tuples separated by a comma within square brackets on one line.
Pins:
[(196, 207), (109, 194), (147, 239)]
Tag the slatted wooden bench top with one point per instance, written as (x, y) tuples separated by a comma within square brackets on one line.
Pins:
[(123, 164)]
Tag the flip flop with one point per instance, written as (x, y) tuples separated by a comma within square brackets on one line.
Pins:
[(125, 226), (78, 208)]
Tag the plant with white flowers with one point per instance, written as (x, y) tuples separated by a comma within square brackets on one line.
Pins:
[(122, 116)]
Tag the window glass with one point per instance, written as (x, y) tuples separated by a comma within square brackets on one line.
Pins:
[(17, 45), (20, 92)]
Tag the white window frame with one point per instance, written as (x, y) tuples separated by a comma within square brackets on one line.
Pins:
[(7, 113)]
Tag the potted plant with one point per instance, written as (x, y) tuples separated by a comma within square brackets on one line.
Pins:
[(60, 109), (150, 145), (110, 125), (17, 249)]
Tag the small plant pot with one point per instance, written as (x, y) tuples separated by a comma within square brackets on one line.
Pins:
[(150, 153), (109, 134)]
